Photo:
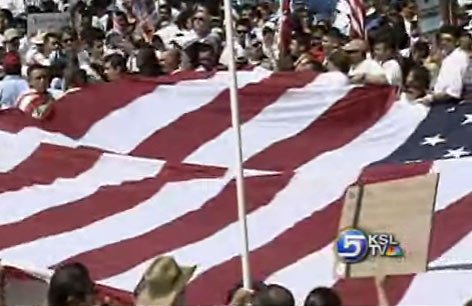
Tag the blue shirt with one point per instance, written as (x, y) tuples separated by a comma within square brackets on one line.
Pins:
[(11, 87)]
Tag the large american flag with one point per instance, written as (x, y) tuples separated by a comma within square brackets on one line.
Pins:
[(134, 169), (357, 17)]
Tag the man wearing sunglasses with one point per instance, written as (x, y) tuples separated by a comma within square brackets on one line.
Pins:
[(363, 69)]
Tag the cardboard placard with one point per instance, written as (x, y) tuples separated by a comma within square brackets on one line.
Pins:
[(403, 208), (429, 15), (47, 22)]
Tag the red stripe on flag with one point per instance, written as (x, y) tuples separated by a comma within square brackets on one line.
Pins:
[(360, 109), (37, 169), (95, 207), (192, 227), (291, 245), (192, 130)]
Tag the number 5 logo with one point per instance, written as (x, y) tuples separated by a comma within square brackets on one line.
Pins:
[(352, 246)]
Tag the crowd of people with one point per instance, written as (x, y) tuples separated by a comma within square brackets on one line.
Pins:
[(105, 41)]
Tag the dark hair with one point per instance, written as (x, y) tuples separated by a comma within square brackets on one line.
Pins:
[(274, 295), (421, 46), (35, 67), (73, 75), (90, 36), (421, 76), (147, 62), (323, 297), (117, 61), (451, 30), (335, 33), (8, 16), (340, 60), (386, 40), (48, 36), (71, 280), (183, 18), (320, 28)]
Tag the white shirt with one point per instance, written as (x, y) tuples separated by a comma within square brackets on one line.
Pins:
[(393, 72), (11, 87), (367, 66), (451, 74)]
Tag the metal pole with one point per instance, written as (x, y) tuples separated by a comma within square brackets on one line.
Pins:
[(239, 174)]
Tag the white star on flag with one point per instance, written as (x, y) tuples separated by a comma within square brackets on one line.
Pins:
[(457, 153), (433, 141), (468, 119), (451, 110)]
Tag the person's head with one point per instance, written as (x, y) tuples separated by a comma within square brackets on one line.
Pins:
[(163, 283), (164, 12), (317, 36), (274, 295), (184, 20), (52, 43), (120, 20), (332, 41), (420, 51), (256, 286), (465, 41), (158, 43), (94, 41), (384, 48), (71, 286), (147, 62), (74, 77), (356, 49), (206, 57), (408, 9), (309, 64), (268, 33), (70, 39), (114, 66), (170, 60), (12, 40), (448, 38), (300, 44), (323, 297), (6, 19), (242, 30), (12, 63), (417, 82), (338, 61), (201, 21), (39, 78)]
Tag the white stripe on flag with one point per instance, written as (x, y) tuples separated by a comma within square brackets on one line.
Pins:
[(119, 133), (311, 189), (439, 288), (16, 148), (165, 206), (108, 170), (297, 109)]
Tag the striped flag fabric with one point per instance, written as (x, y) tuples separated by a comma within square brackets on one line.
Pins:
[(357, 17), (138, 168)]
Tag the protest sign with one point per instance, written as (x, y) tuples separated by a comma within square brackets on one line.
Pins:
[(47, 22)]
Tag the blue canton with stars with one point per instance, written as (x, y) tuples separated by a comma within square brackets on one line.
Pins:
[(446, 133)]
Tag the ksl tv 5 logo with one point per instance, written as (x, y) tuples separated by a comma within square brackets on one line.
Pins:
[(354, 245)]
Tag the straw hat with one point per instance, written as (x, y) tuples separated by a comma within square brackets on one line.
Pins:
[(11, 34), (162, 282), (38, 39)]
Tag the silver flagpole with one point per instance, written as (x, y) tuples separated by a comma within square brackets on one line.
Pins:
[(238, 148)]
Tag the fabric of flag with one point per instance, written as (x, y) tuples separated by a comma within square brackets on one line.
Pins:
[(285, 25), (357, 18), (130, 170)]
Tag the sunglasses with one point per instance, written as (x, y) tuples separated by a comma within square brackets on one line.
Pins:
[(241, 32), (198, 19)]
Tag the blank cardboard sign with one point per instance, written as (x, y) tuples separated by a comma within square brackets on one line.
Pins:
[(403, 208)]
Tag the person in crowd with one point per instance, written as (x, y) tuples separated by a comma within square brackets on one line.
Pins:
[(74, 79), (204, 58), (384, 54), (163, 283), (11, 40), (322, 296), (93, 62), (170, 61), (147, 62), (71, 285), (237, 293), (6, 20), (338, 65), (274, 295), (417, 83), (363, 69), (12, 85), (114, 67), (37, 102), (316, 50), (269, 46), (332, 40), (408, 13), (449, 83), (48, 48)]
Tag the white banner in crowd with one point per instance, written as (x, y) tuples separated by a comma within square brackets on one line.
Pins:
[(47, 22)]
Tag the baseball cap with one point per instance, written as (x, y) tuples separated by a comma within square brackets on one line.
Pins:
[(11, 59)]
